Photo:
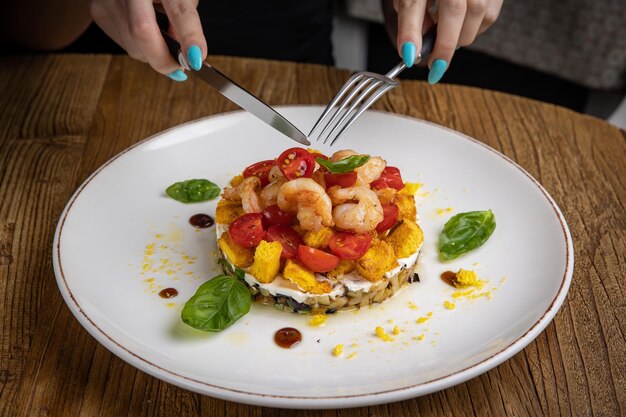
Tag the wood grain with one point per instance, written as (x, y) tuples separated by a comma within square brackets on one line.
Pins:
[(62, 116)]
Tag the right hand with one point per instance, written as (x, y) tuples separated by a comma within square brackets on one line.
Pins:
[(132, 24)]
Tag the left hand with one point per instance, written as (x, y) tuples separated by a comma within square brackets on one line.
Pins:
[(458, 24)]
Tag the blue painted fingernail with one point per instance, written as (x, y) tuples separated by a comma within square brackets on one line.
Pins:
[(436, 71), (178, 75), (194, 57), (408, 54)]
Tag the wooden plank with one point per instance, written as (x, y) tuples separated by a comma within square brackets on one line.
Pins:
[(47, 105)]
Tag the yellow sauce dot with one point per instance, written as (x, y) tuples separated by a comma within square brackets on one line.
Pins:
[(352, 355), (318, 320), (380, 332), (338, 350), (396, 330), (449, 305), (421, 337)]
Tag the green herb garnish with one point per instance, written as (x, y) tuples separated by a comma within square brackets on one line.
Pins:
[(193, 191), (217, 304), (464, 232), (343, 165)]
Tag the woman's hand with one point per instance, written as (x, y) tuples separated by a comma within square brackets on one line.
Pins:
[(458, 24), (132, 24)]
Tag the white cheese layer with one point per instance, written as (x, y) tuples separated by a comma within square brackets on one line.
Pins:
[(352, 281)]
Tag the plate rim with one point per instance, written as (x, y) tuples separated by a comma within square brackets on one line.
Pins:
[(292, 401)]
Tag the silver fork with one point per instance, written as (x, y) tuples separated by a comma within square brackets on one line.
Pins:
[(363, 89)]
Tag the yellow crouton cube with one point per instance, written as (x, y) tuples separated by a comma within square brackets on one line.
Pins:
[(304, 278), (378, 259), (406, 207), (345, 266), (241, 257), (228, 211), (266, 261), (318, 239), (236, 180), (406, 238)]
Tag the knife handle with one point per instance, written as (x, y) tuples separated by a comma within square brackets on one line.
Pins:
[(428, 42), (172, 44)]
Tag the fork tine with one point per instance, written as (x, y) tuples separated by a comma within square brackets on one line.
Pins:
[(382, 90), (355, 78), (345, 103), (356, 102)]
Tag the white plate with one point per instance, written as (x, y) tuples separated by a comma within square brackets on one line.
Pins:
[(103, 232)]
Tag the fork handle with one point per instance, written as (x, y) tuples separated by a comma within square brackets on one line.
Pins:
[(428, 42)]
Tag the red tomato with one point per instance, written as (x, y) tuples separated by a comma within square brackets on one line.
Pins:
[(273, 215), (247, 230), (317, 260), (288, 238), (343, 180), (261, 170), (296, 163), (390, 213), (349, 245), (389, 178)]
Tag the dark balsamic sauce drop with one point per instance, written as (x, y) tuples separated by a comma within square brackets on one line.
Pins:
[(287, 337), (201, 221)]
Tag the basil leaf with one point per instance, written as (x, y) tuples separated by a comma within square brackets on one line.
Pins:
[(217, 304), (343, 165), (464, 232), (193, 191)]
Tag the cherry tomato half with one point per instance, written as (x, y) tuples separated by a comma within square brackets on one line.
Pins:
[(350, 245), (296, 163), (343, 180), (273, 215), (247, 230), (389, 178), (261, 170), (288, 238), (390, 217), (317, 260)]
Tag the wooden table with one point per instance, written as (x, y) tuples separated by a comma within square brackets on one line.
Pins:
[(63, 116)]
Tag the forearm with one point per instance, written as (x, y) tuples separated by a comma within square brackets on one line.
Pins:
[(43, 24)]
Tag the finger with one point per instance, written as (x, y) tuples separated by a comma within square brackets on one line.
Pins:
[(451, 17), (107, 19), (410, 20), (491, 15), (145, 32), (186, 24), (476, 10)]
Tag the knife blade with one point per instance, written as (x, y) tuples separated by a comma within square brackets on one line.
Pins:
[(249, 102), (230, 89)]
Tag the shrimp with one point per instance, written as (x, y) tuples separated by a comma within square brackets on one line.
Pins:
[(366, 173), (309, 200), (360, 217), (275, 173), (246, 192), (269, 194)]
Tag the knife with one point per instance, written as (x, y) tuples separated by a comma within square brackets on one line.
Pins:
[(231, 90)]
